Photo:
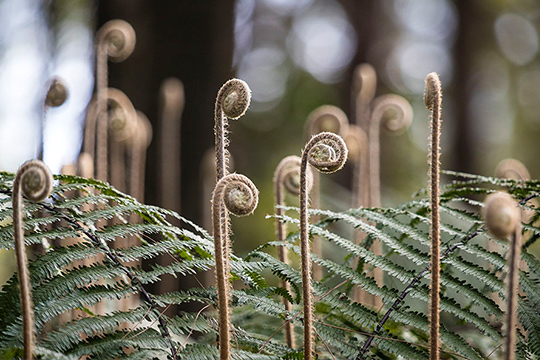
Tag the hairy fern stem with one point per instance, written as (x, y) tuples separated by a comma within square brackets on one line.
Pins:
[(326, 152)]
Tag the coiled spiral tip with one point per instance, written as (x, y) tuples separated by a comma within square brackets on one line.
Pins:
[(432, 91), (327, 152), (240, 195), (234, 97), (57, 93), (117, 38), (501, 214), (327, 118), (287, 174), (365, 82), (36, 180), (512, 169), (394, 112)]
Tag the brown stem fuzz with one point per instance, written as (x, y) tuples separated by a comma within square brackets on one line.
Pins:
[(236, 194), (433, 99), (326, 152), (35, 181)]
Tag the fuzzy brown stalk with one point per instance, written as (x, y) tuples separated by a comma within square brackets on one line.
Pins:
[(364, 87), (327, 152), (503, 219), (172, 101), (331, 119), (232, 102), (236, 194), (432, 100), (35, 181), (287, 177), (115, 40), (56, 96)]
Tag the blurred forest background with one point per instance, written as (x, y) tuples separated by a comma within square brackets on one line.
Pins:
[(296, 55)]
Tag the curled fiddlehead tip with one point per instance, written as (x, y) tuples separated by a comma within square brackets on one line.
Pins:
[(432, 91), (395, 112), (356, 141), (57, 93), (122, 115), (117, 38), (327, 118), (512, 169), (36, 180), (501, 214), (287, 174), (172, 94), (365, 82), (234, 98), (240, 194), (327, 152)]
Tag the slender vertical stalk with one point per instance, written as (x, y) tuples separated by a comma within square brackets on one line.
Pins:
[(433, 99), (35, 181), (137, 159), (114, 40), (503, 219), (324, 118), (57, 95), (236, 194), (287, 177), (172, 102), (326, 152), (232, 102), (364, 87)]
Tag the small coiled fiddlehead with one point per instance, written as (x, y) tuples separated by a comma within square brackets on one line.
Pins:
[(114, 40), (433, 100), (232, 102), (33, 180), (236, 194), (326, 152), (287, 177), (399, 121), (57, 94), (503, 219)]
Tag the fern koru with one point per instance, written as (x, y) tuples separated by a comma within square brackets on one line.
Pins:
[(72, 277)]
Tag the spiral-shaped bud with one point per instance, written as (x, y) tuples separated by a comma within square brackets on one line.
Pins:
[(287, 175), (122, 115), (237, 194), (327, 152), (501, 214), (512, 169), (117, 38), (234, 98), (232, 102), (392, 111), (364, 83), (57, 93), (327, 118), (35, 181)]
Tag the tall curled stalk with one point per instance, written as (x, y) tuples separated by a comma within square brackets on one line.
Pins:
[(503, 219), (232, 102), (172, 101), (287, 177), (57, 94), (115, 40), (331, 119), (326, 152), (363, 92), (433, 100), (33, 180), (395, 113), (236, 194)]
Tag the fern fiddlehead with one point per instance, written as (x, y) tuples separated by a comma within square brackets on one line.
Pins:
[(33, 180), (56, 96), (512, 169), (503, 219), (327, 152), (236, 194), (232, 102), (114, 40), (287, 176), (364, 87), (433, 99), (331, 119), (400, 121)]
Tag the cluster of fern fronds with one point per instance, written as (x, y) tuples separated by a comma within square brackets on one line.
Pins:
[(75, 279)]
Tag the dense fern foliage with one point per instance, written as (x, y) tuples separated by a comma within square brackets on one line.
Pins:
[(94, 238)]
